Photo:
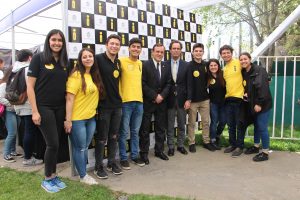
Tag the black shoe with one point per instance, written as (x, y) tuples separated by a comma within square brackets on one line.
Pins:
[(216, 146), (144, 157), (138, 162), (229, 149), (171, 152), (261, 157), (252, 150), (182, 150), (192, 148), (100, 173), (237, 152), (114, 168), (209, 147), (125, 164), (161, 155)]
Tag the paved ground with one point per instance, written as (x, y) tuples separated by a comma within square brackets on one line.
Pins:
[(205, 176)]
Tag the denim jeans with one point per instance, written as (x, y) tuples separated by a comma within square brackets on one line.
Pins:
[(81, 137), (232, 112), (108, 125), (12, 122), (132, 115), (261, 129), (218, 120), (30, 132)]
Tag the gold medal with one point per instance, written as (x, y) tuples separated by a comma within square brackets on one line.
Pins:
[(212, 81)]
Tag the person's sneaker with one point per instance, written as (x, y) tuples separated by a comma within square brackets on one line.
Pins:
[(192, 148), (49, 186), (61, 185), (114, 168), (87, 179), (8, 158), (237, 152), (32, 162), (252, 150), (229, 149), (101, 173), (209, 147), (261, 157), (216, 146), (138, 162), (15, 154), (125, 164)]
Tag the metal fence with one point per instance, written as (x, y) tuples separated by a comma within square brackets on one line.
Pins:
[(285, 89)]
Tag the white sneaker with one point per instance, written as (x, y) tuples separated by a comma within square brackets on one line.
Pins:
[(87, 179), (32, 162)]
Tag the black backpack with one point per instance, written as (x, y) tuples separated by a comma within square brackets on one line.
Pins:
[(16, 89)]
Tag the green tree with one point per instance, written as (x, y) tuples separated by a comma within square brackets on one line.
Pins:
[(263, 16)]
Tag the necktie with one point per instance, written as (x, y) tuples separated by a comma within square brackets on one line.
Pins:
[(174, 71), (157, 71)]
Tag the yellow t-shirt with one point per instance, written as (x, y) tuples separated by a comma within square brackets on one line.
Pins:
[(131, 80), (85, 105), (234, 79)]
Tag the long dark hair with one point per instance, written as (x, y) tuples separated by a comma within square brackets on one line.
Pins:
[(219, 73), (95, 73), (6, 75), (47, 53)]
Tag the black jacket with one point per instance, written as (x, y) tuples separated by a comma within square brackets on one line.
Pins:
[(256, 83), (178, 90), (152, 86)]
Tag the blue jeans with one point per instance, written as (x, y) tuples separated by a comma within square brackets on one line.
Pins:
[(81, 137), (232, 112), (218, 120), (12, 122), (30, 132), (261, 129), (132, 115)]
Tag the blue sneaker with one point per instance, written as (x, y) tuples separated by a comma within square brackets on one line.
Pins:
[(58, 183), (49, 186)]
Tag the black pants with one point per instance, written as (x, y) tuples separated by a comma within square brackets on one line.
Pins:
[(108, 124), (160, 115), (52, 126)]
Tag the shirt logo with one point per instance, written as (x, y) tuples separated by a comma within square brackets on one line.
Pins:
[(116, 73), (196, 73), (50, 66)]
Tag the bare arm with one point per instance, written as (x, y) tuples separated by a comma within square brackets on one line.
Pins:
[(36, 118), (69, 109)]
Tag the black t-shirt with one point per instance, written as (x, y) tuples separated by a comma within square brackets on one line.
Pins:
[(216, 91), (50, 86), (197, 78), (110, 73)]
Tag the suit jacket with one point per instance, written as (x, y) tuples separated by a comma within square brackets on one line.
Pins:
[(180, 89), (152, 86)]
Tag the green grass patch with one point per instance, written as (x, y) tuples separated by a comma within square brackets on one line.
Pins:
[(18, 185)]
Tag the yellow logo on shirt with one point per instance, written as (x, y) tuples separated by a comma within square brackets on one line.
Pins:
[(244, 83), (196, 73), (50, 66), (116, 73), (212, 81)]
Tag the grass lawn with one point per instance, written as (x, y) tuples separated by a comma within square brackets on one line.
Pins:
[(15, 185)]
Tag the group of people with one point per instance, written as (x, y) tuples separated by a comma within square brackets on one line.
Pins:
[(110, 98)]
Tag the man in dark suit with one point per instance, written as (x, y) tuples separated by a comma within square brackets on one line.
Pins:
[(177, 100), (156, 82)]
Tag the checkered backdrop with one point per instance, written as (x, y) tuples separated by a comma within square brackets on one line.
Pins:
[(91, 21)]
